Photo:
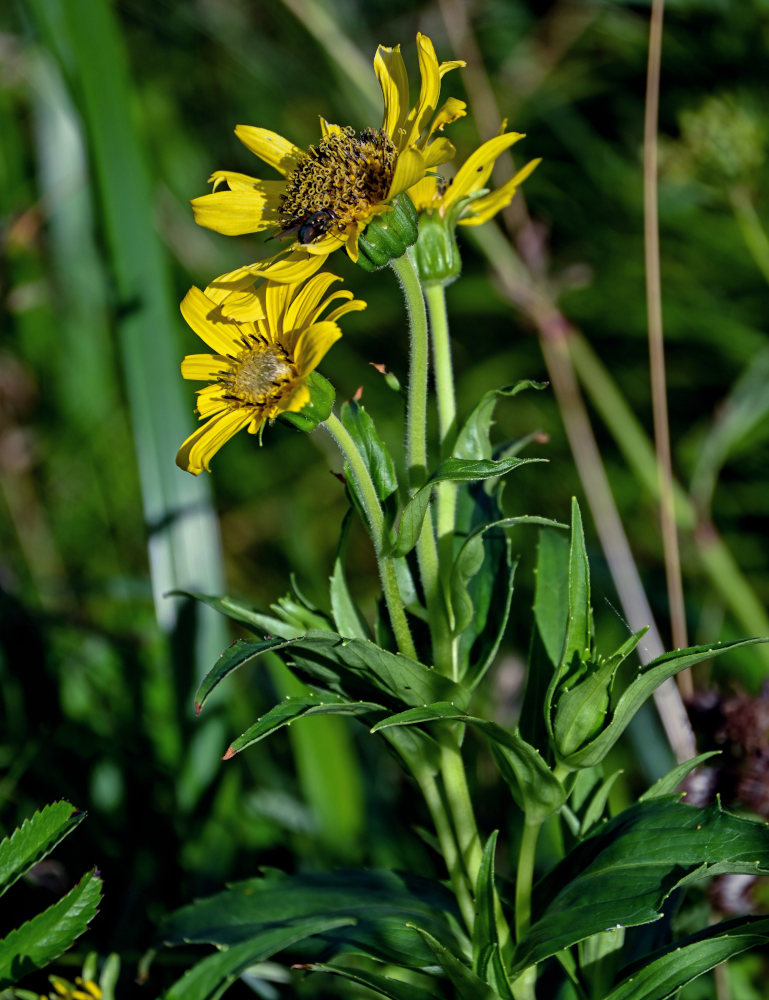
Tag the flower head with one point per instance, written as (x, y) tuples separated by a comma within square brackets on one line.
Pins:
[(81, 989), (330, 192), (260, 368), (433, 194)]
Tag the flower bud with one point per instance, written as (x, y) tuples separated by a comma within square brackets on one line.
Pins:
[(436, 252)]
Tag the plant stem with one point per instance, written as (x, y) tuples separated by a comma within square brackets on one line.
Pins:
[(357, 466), (446, 492), (524, 881), (449, 848), (416, 457)]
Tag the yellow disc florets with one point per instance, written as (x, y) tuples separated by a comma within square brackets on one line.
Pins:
[(258, 377), (337, 182)]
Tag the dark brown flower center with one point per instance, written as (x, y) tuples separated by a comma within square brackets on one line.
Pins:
[(337, 182)]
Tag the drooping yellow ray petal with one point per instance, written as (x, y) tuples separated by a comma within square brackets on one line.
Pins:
[(439, 151), (199, 448), (424, 194), (270, 147), (204, 367), (204, 317), (354, 305), (234, 213), (476, 169), (271, 190), (487, 206)]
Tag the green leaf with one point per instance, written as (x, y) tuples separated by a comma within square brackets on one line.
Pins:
[(292, 708), (356, 669), (34, 839), (386, 986), (238, 611), (381, 903), (532, 784), (663, 976), (46, 936), (579, 629), (669, 782), (322, 395), (622, 874), (373, 451), (347, 615), (453, 470), (639, 690), (551, 592), (473, 439), (209, 978), (597, 804), (467, 985), (487, 964)]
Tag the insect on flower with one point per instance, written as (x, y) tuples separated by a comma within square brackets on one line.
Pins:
[(310, 226)]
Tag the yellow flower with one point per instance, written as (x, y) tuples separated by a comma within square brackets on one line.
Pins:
[(433, 193), (259, 369), (329, 193), (81, 989)]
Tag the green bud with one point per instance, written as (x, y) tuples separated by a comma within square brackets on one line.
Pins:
[(322, 394), (436, 252), (388, 236)]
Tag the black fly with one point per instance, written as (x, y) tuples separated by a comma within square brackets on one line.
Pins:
[(311, 226)]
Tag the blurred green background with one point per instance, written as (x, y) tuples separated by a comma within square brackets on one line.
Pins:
[(112, 117)]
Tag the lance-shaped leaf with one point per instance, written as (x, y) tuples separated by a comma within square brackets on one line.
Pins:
[(373, 450), (649, 678), (533, 785), (662, 975), (669, 782), (467, 986), (356, 669), (454, 470), (209, 978), (348, 618), (293, 708), (238, 611), (43, 938), (487, 962), (473, 439), (322, 395), (34, 839), (386, 986), (622, 874), (381, 903)]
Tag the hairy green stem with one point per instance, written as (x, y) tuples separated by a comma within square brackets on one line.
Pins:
[(446, 492), (357, 466), (416, 457), (524, 881)]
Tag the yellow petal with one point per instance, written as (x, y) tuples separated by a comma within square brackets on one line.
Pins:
[(439, 151), (326, 128), (305, 302), (430, 89), (409, 168), (289, 267), (312, 344), (391, 72), (204, 367), (450, 110), (424, 194), (296, 401), (483, 209), (355, 305), (271, 190), (243, 307), (446, 67), (326, 244), (277, 297), (270, 147), (204, 317), (199, 448), (234, 213), (475, 171), (210, 400)]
